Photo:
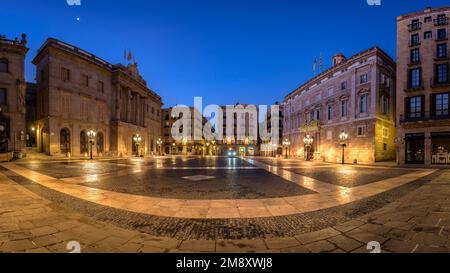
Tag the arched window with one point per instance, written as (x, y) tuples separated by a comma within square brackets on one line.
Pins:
[(100, 143), (4, 65), (84, 142), (64, 139)]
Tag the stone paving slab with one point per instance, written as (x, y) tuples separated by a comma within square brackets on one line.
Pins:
[(29, 223)]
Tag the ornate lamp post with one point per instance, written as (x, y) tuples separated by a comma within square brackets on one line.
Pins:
[(91, 136), (173, 148), (287, 145), (343, 137), (137, 141), (159, 142), (308, 140)]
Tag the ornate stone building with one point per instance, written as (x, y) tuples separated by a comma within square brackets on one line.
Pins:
[(423, 87), (79, 92), (12, 95), (355, 96)]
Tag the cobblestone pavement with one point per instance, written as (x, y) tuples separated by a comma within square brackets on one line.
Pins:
[(418, 220)]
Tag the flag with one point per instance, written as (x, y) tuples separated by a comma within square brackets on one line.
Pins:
[(315, 65)]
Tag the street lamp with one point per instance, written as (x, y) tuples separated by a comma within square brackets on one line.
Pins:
[(91, 135), (174, 148), (343, 137), (287, 144), (308, 140), (159, 142), (137, 141)]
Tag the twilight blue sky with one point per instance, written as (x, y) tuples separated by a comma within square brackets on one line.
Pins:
[(228, 51)]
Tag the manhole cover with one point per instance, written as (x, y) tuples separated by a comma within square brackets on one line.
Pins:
[(198, 177)]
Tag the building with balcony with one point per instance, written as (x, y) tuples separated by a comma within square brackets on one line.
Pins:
[(78, 92), (187, 145), (355, 96), (12, 96), (423, 87)]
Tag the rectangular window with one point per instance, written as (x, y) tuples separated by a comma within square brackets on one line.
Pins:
[(384, 105), (85, 80), (440, 104), (441, 34), (415, 56), (428, 19), (363, 103), (428, 35), (65, 74), (415, 39), (101, 87), (343, 85), (361, 131), (329, 135), (415, 78), (415, 107), (4, 65), (440, 148), (330, 112), (3, 99), (363, 78), (441, 73), (330, 91), (441, 51), (344, 108), (385, 132)]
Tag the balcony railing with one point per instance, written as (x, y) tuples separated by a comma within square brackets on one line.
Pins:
[(441, 21), (410, 88), (414, 43), (424, 116), (435, 83), (415, 26), (442, 37)]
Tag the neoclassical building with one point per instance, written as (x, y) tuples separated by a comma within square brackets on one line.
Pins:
[(423, 87), (78, 92), (356, 96), (12, 96)]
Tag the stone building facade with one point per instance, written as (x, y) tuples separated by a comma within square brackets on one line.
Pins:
[(188, 145), (423, 87), (12, 95), (355, 96), (79, 92)]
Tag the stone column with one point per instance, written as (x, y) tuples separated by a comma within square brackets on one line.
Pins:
[(138, 109), (118, 102), (129, 105)]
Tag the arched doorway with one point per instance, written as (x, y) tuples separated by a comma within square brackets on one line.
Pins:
[(100, 143), (84, 143), (64, 141)]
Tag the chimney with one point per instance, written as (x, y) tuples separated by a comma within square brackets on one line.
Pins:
[(338, 59)]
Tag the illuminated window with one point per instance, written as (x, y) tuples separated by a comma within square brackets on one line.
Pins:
[(385, 132)]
